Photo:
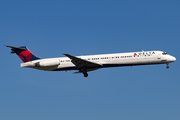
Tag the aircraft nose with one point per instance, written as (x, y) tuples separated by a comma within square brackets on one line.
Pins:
[(172, 59)]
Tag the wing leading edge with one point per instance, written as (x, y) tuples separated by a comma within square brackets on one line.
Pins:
[(83, 65)]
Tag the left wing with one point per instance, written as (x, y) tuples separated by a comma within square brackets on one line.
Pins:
[(82, 64)]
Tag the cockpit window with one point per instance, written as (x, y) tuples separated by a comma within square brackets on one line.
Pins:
[(164, 53)]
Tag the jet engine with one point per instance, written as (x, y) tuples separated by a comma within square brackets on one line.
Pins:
[(48, 63)]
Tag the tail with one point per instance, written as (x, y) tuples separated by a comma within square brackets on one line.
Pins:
[(24, 54)]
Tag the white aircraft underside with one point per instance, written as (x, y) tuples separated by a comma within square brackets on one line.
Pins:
[(93, 62)]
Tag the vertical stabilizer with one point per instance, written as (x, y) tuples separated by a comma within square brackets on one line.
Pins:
[(24, 54)]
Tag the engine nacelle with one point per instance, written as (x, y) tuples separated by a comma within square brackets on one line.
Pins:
[(47, 63)]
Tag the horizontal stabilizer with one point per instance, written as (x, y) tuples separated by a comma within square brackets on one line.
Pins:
[(17, 48)]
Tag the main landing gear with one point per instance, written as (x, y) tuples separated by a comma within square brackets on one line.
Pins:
[(84, 71), (167, 65), (85, 74)]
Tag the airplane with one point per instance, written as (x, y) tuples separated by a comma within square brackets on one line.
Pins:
[(84, 64)]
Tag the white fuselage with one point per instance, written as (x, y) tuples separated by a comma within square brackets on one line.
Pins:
[(105, 60)]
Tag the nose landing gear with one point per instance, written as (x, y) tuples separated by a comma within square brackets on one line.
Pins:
[(167, 65)]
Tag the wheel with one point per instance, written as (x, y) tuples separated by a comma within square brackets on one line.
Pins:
[(167, 67), (85, 74)]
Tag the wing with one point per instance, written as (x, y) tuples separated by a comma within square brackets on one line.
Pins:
[(82, 64)]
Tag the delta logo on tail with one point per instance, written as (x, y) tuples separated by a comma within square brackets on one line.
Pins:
[(23, 53)]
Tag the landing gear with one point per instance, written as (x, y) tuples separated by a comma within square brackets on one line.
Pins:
[(84, 71), (167, 65), (85, 74)]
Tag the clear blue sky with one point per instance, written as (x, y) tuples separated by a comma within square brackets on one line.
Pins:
[(50, 28)]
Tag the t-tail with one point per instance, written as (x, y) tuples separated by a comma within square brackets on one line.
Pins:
[(24, 54)]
